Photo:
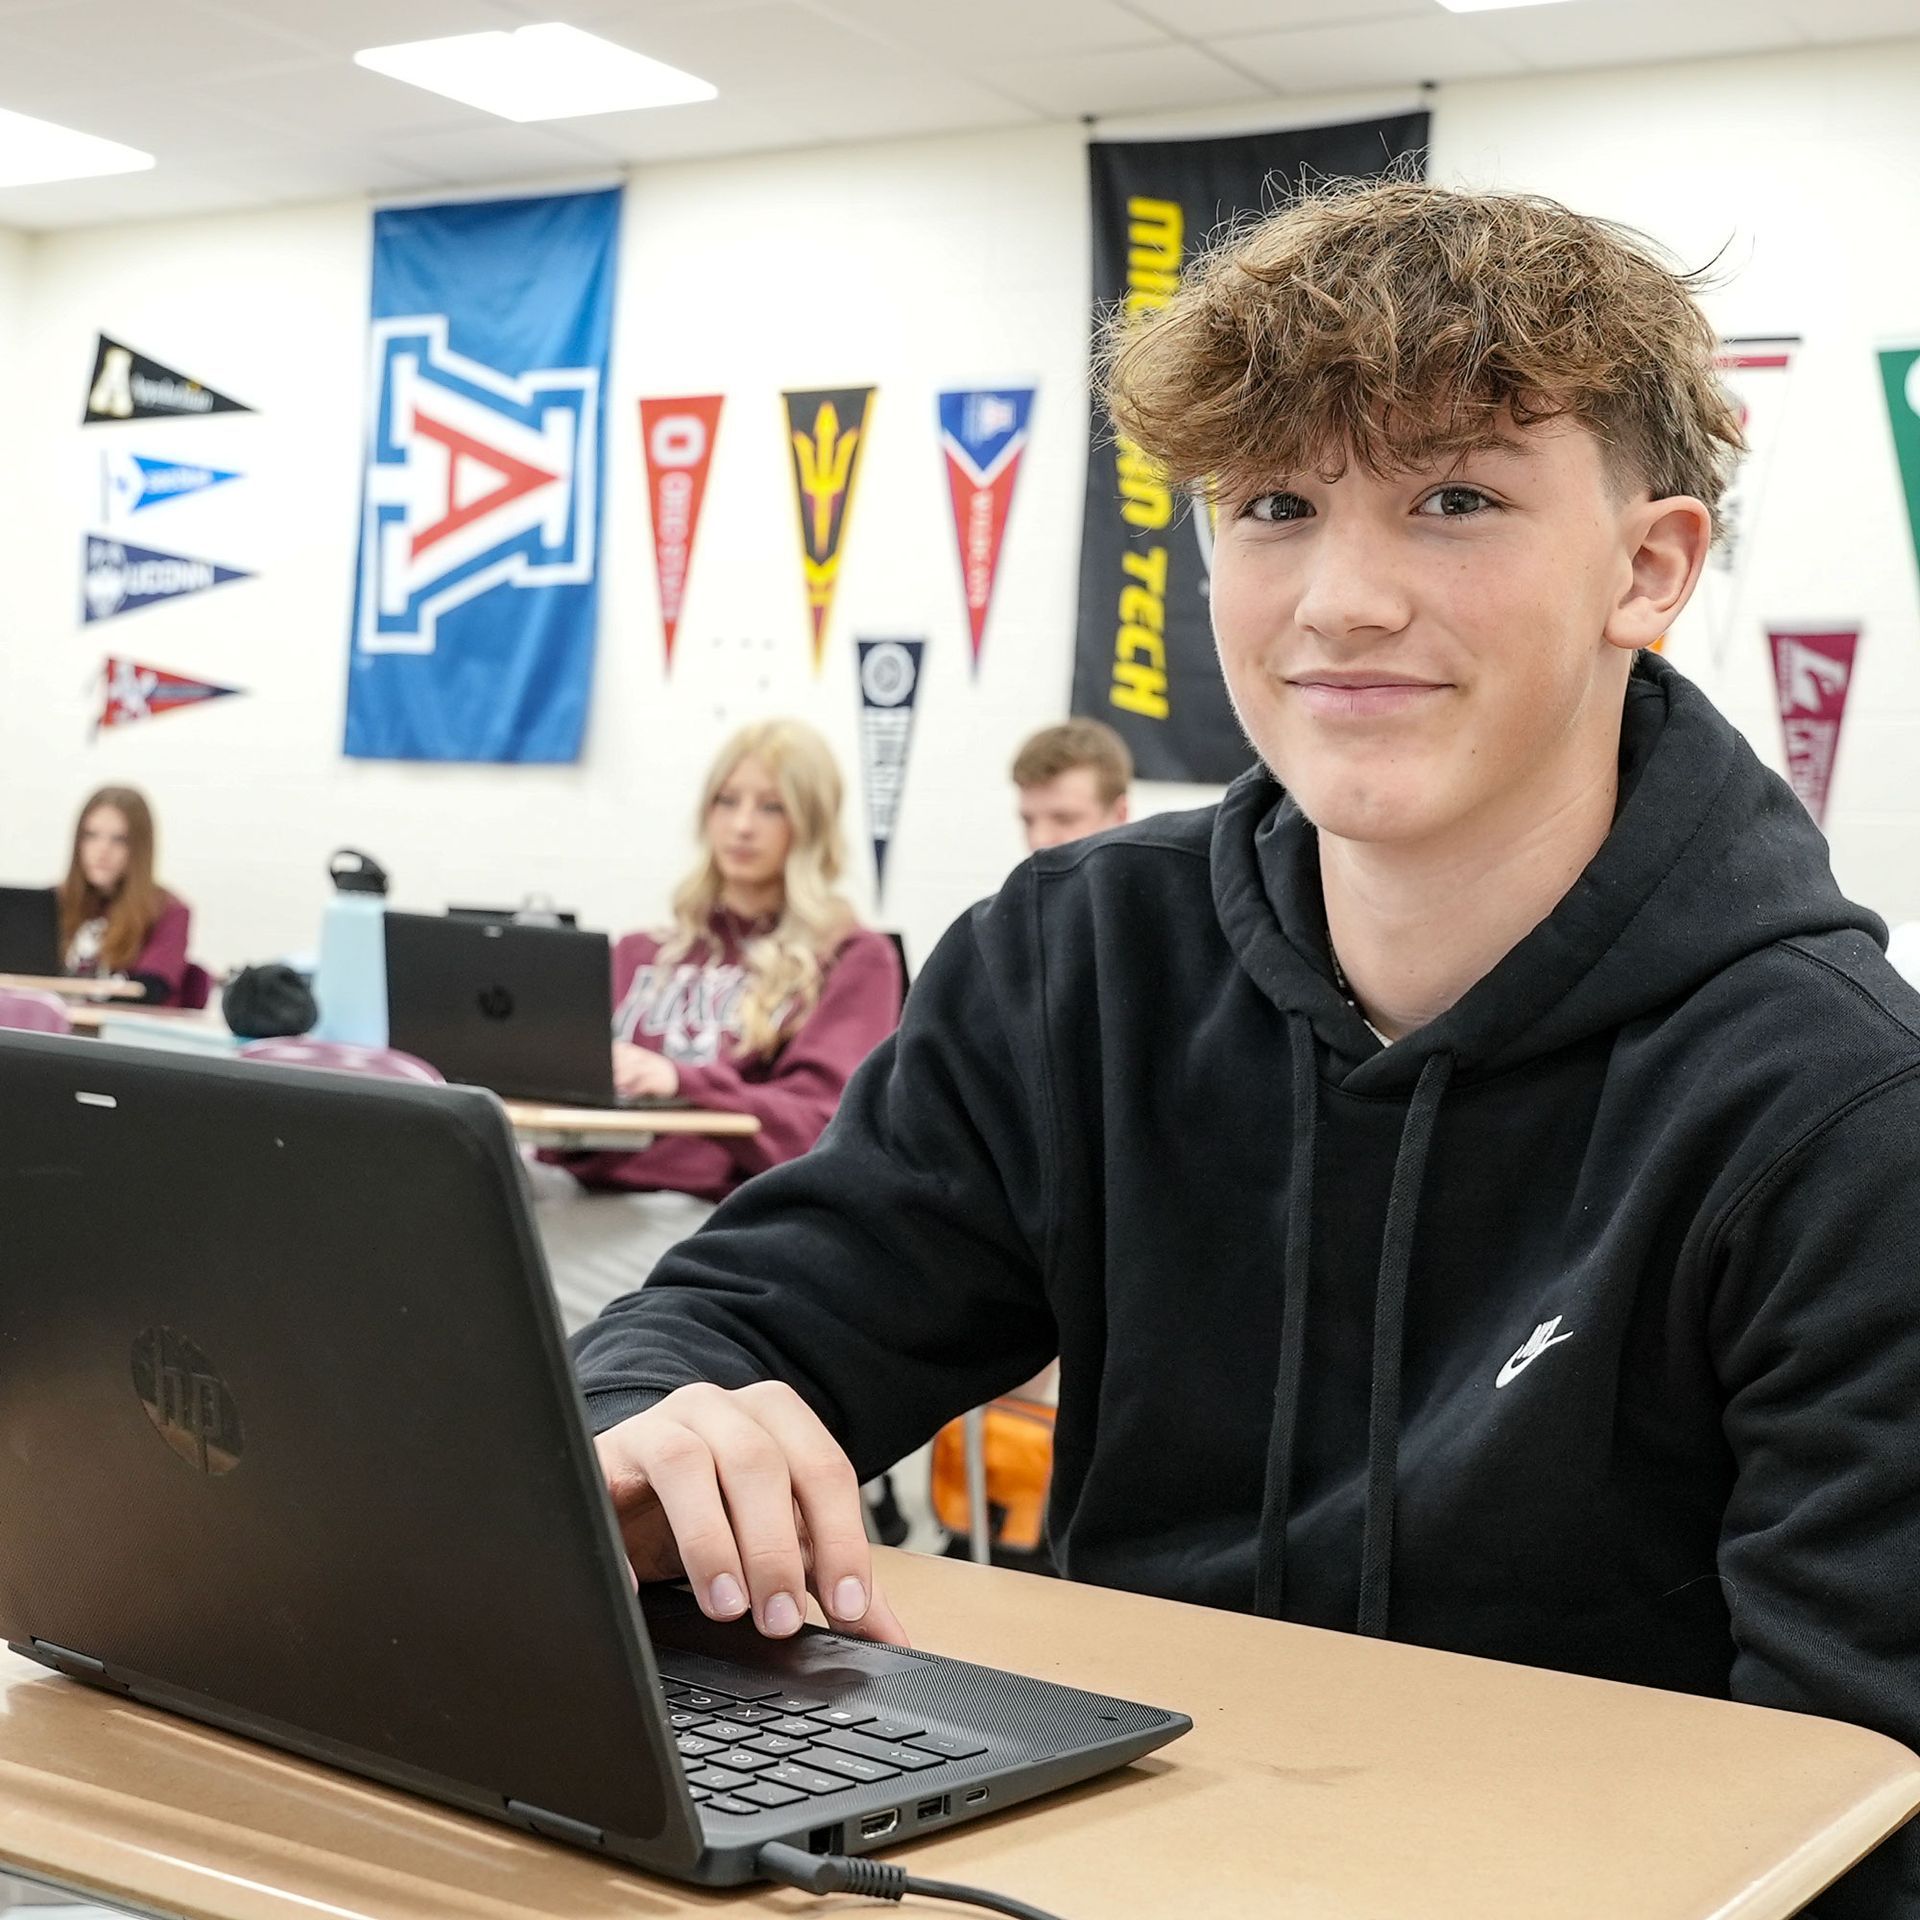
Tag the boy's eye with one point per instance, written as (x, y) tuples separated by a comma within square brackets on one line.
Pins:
[(1456, 503), (1277, 507)]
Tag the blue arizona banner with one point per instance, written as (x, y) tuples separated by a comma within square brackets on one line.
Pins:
[(478, 594)]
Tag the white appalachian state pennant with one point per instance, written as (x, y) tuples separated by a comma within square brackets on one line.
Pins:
[(132, 691), (118, 578), (128, 386), (1814, 673), (889, 686)]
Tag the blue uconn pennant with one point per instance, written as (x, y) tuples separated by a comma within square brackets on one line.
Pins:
[(477, 594)]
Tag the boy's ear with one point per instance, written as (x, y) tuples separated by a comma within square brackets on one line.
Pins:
[(1671, 538)]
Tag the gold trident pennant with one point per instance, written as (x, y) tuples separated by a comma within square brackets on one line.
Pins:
[(826, 431)]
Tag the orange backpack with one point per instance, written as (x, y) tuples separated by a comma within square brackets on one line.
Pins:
[(1019, 1450)]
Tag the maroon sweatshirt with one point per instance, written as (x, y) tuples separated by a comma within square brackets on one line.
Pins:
[(161, 966), (690, 1012)]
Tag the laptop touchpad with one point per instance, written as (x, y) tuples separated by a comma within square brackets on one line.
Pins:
[(830, 1662)]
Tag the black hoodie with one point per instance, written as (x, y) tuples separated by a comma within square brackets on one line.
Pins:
[(1577, 1328)]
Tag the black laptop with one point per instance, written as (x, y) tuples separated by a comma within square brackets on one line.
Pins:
[(293, 1448), (30, 931), (525, 1011)]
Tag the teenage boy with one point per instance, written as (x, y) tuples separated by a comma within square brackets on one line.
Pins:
[(1469, 1175), (1073, 781)]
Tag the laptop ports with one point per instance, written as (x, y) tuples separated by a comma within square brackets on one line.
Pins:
[(876, 1826), (934, 1809), (975, 1795)]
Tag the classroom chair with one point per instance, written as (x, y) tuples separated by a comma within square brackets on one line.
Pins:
[(385, 1063), (196, 987), (27, 1010)]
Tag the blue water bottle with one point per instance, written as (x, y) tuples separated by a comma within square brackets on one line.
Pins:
[(351, 982)]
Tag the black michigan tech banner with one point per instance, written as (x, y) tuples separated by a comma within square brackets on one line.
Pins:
[(1144, 659)]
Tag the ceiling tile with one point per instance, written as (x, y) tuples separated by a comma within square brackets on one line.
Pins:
[(287, 174), (125, 196), (333, 100), (929, 106), (128, 43), (345, 26), (1389, 52), (759, 47), (1832, 20), (612, 17), (497, 151), (974, 33), (735, 123), (1136, 80), (1202, 19), (34, 79), (1621, 33), (172, 124)]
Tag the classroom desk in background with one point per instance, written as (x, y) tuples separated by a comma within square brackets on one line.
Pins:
[(618, 1129), (1326, 1776), (69, 987), (535, 1123)]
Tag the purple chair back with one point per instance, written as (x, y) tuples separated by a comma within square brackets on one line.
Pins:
[(196, 987), (384, 1063), (29, 1011)]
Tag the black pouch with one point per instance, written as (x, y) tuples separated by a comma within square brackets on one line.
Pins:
[(269, 1003)]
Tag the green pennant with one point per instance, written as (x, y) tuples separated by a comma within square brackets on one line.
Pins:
[(1900, 369)]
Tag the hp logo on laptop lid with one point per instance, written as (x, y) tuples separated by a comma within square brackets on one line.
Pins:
[(188, 1402)]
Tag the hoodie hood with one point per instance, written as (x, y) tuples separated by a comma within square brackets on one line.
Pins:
[(1712, 857)]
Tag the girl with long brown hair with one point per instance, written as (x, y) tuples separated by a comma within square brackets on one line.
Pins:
[(116, 920), (762, 998)]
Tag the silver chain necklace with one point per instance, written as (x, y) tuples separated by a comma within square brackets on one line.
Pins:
[(1341, 981)]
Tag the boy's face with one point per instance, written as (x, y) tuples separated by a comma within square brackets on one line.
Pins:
[(1408, 653), (1067, 808)]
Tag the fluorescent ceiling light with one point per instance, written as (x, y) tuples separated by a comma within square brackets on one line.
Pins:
[(33, 152), (549, 72), (1492, 6)]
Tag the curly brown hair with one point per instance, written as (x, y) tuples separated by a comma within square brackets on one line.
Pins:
[(1405, 324)]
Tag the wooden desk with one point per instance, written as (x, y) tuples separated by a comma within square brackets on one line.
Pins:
[(89, 1017), (69, 988), (579, 1129), (1326, 1777), (618, 1129)]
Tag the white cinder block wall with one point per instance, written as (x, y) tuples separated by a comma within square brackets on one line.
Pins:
[(911, 265)]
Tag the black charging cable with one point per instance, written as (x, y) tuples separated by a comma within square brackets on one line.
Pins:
[(874, 1880)]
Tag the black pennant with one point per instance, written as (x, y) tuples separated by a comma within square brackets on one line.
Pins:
[(128, 386)]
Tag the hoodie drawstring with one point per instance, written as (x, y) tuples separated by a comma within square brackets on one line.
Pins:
[(1269, 1580), (1389, 1326)]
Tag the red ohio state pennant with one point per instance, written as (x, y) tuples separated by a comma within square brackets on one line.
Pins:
[(677, 439)]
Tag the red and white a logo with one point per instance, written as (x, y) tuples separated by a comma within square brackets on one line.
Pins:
[(475, 481)]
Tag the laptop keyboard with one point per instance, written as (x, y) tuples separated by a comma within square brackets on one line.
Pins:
[(748, 1751)]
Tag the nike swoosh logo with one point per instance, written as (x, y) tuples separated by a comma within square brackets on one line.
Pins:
[(1527, 1355)]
